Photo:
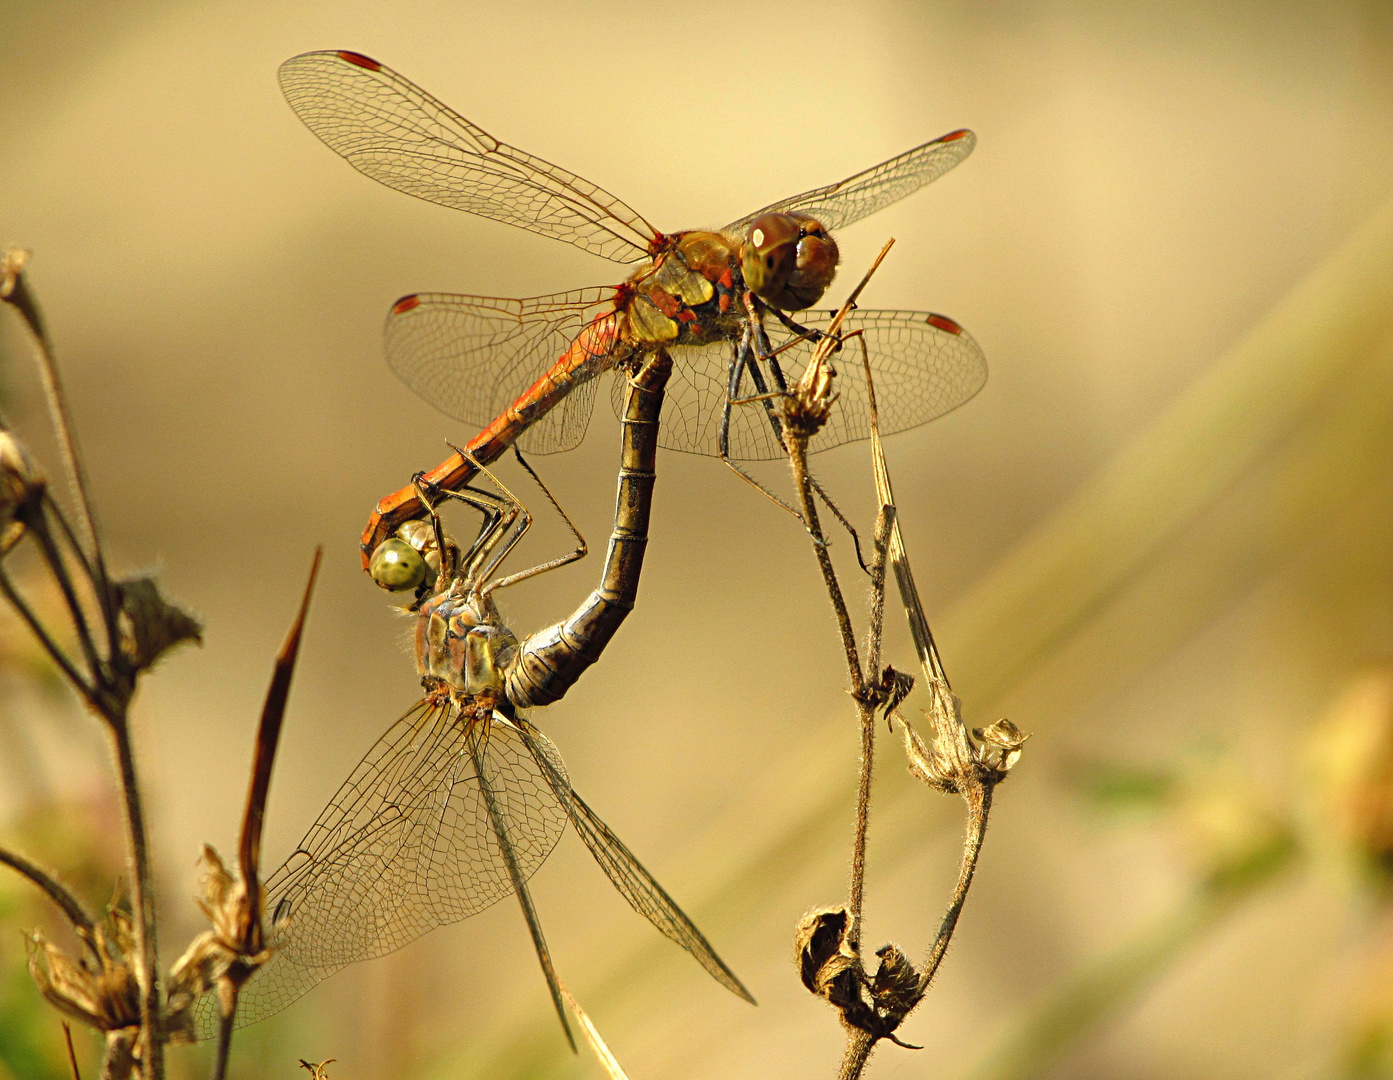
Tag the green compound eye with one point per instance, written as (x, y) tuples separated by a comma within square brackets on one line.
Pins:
[(397, 566)]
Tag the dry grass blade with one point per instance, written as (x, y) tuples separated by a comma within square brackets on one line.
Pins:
[(592, 1035)]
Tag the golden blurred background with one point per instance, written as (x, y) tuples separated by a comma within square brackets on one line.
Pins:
[(1160, 539)]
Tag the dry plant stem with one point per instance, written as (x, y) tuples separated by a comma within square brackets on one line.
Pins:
[(802, 483), (142, 900), (978, 796), (76, 914), (72, 1056), (24, 302), (859, 1045)]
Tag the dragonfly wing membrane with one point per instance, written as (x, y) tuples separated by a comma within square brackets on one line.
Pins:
[(406, 845), (472, 356), (391, 130), (839, 205), (629, 876), (924, 366)]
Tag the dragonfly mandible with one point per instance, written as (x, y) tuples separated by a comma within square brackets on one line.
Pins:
[(463, 798), (526, 369)]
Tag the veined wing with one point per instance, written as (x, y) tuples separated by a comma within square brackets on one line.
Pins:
[(473, 357), (390, 129), (924, 365), (406, 845), (838, 205), (634, 883)]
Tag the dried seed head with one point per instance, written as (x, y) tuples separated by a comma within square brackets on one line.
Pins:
[(825, 956), (954, 760), (810, 400), (12, 262), (222, 958), (151, 625), (1001, 747), (895, 985), (100, 990), (20, 485)]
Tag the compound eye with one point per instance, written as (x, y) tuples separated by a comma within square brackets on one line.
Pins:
[(817, 266), (770, 254), (397, 566)]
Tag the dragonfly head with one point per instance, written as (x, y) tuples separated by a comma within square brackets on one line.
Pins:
[(788, 260), (408, 564)]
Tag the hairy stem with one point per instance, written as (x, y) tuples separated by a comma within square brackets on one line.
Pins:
[(142, 901), (978, 796)]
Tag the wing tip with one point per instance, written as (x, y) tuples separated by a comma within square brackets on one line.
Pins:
[(406, 303), (942, 322)]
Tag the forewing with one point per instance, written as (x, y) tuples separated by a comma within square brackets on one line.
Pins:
[(634, 883), (406, 845), (838, 205), (472, 356), (390, 129)]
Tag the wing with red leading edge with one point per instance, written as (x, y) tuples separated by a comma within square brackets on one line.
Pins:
[(838, 205), (393, 131), (472, 356), (924, 365)]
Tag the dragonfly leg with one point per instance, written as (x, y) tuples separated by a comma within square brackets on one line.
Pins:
[(764, 351), (581, 550), (529, 910), (742, 358)]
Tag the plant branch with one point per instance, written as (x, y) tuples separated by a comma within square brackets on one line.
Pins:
[(76, 914), (978, 796)]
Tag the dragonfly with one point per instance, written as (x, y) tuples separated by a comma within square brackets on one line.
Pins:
[(525, 370), (463, 798)]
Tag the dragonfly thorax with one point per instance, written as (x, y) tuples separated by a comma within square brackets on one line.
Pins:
[(462, 646), (688, 294)]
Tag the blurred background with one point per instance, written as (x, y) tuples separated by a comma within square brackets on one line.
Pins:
[(1161, 539)]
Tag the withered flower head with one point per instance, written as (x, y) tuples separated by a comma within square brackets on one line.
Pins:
[(12, 262), (1002, 745), (830, 967), (150, 624), (222, 958), (20, 484), (99, 990), (809, 402), (954, 759)]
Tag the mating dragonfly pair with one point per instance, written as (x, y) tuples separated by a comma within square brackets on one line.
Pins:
[(463, 798)]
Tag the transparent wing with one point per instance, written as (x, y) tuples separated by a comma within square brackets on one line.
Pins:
[(634, 883), (474, 357), (393, 131), (406, 845), (924, 366), (838, 205)]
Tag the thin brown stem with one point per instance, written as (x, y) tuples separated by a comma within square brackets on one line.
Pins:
[(72, 1056), (798, 459), (978, 796), (25, 303), (224, 1049), (76, 914), (142, 901), (55, 653)]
